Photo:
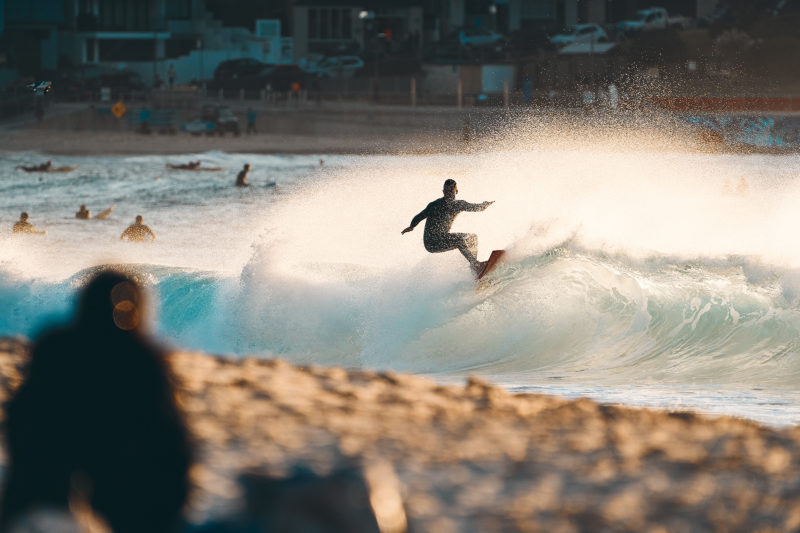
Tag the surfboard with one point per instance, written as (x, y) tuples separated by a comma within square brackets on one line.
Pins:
[(52, 169), (105, 213), (170, 166), (494, 258)]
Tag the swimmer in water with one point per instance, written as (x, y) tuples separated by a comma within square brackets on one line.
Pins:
[(241, 178), (137, 232), (23, 226)]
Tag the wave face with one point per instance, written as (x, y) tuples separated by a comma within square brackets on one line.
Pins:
[(624, 268)]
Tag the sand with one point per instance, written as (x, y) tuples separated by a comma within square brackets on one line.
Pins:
[(475, 458)]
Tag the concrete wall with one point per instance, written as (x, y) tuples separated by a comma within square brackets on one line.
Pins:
[(440, 79), (494, 78), (49, 50), (594, 11), (706, 7), (475, 79), (300, 31)]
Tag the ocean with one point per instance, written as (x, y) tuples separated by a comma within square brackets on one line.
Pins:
[(636, 277)]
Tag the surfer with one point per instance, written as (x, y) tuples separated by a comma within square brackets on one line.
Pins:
[(137, 232), (241, 178), (85, 214), (23, 226), (191, 165), (44, 167), (440, 215)]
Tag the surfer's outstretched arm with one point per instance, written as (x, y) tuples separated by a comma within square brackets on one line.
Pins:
[(466, 206), (416, 220)]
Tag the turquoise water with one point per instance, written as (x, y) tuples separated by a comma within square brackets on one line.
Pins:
[(657, 279)]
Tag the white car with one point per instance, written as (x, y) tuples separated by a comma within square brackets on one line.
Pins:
[(581, 33), (655, 18), (336, 67)]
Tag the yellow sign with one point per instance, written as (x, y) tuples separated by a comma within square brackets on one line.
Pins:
[(119, 109)]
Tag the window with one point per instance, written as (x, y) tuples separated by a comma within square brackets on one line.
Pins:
[(324, 24), (330, 23), (336, 29), (313, 24), (347, 24)]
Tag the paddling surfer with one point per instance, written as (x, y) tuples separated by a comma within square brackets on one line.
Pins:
[(44, 167), (440, 215)]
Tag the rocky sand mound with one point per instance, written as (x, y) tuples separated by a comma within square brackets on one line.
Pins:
[(477, 458)]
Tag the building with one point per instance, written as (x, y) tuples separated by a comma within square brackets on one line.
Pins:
[(322, 27), (29, 33)]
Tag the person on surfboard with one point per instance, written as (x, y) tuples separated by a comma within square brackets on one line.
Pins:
[(84, 214), (440, 215)]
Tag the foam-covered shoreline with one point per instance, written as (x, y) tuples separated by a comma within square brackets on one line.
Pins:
[(476, 458)]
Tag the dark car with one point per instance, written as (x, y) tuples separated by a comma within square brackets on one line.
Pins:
[(238, 68), (284, 78)]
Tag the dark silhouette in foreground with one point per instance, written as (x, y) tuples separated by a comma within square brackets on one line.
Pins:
[(23, 226), (137, 232), (440, 216), (95, 420)]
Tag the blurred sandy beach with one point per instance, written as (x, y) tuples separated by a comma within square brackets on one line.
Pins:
[(476, 458)]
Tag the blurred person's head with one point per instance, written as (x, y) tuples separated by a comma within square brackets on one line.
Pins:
[(112, 300), (450, 188)]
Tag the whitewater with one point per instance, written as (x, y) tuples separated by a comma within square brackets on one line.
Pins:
[(642, 277)]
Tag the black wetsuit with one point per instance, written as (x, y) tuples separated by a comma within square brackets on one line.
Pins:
[(440, 215)]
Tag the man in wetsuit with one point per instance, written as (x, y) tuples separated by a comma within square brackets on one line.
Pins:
[(440, 215), (138, 232), (83, 213)]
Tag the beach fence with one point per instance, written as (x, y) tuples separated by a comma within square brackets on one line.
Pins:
[(441, 85)]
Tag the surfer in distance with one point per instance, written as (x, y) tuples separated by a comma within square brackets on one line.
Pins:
[(440, 215), (137, 232), (83, 213), (241, 178), (23, 226), (44, 167)]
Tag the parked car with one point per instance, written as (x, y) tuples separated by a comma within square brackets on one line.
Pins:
[(198, 127), (478, 37), (238, 68), (282, 78), (655, 18), (336, 67), (222, 117), (581, 33)]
